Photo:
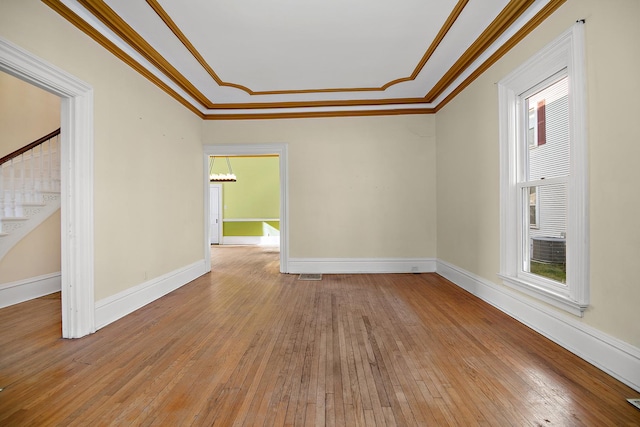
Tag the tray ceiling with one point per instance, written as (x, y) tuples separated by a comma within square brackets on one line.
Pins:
[(295, 58)]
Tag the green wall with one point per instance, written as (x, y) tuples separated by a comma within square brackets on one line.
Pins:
[(256, 194)]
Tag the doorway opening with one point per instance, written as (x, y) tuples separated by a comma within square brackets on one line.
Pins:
[(249, 213), (215, 214), (29, 192), (76, 164), (246, 209)]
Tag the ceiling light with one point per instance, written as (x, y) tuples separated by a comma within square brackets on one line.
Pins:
[(221, 177)]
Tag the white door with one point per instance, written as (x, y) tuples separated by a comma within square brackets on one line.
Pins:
[(214, 209)]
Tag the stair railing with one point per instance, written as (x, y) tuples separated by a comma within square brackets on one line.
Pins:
[(29, 172)]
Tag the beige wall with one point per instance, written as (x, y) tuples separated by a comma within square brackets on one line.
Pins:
[(27, 113), (468, 156), (358, 187), (35, 255), (148, 154)]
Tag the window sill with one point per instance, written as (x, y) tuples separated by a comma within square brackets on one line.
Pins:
[(548, 296)]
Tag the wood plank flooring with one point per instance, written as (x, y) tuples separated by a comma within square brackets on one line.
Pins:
[(247, 346)]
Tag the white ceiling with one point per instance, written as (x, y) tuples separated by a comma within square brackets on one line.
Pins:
[(288, 58)]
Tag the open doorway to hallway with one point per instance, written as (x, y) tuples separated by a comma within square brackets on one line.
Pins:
[(245, 210), (253, 208), (76, 166), (30, 222)]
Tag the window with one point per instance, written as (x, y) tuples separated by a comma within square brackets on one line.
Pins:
[(543, 175), (543, 161)]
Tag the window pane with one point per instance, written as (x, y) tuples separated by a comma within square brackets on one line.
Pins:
[(533, 207), (547, 239), (548, 132), (532, 128)]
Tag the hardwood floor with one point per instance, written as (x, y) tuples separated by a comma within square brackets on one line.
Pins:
[(247, 346)]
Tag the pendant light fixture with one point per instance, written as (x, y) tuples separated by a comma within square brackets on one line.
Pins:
[(221, 177)]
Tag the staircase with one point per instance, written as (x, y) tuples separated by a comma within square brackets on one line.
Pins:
[(29, 188)]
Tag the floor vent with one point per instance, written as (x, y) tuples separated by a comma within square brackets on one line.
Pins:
[(310, 276)]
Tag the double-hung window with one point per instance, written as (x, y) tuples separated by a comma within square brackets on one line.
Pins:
[(543, 160)]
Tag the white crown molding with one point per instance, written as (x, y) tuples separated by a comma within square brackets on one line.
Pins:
[(115, 307), (24, 290), (611, 355), (361, 265), (76, 166)]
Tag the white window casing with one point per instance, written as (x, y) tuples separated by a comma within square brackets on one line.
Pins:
[(564, 56)]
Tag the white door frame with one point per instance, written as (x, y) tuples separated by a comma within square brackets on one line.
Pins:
[(252, 150), (219, 187), (76, 170)]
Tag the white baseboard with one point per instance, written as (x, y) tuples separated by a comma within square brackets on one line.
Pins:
[(611, 355), (112, 308), (361, 265), (27, 289), (251, 240)]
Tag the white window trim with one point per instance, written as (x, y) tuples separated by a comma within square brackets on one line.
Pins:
[(566, 52)]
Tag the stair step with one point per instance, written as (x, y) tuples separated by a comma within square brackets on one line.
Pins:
[(11, 223)]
